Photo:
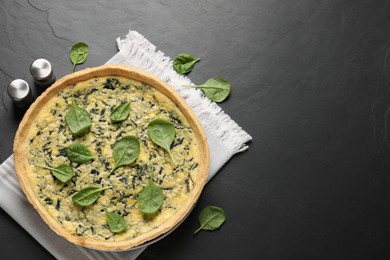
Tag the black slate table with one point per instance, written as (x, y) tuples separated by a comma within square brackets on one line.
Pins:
[(310, 84)]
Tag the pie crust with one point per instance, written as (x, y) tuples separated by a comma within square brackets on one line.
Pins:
[(22, 164)]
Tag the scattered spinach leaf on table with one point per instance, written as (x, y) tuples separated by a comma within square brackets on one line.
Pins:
[(184, 63), (211, 218), (215, 89), (79, 53)]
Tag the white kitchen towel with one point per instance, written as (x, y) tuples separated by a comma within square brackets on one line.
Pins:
[(224, 136)]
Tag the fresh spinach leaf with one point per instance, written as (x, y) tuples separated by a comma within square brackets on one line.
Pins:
[(120, 113), (115, 222), (78, 153), (151, 198), (184, 63), (162, 133), (63, 172), (216, 89), (211, 218), (126, 151), (87, 196), (79, 53), (77, 119)]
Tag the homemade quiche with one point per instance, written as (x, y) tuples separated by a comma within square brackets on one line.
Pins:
[(45, 134)]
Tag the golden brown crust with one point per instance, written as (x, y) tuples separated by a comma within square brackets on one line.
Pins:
[(21, 141)]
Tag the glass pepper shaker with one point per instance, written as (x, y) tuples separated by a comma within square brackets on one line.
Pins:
[(42, 72), (20, 93)]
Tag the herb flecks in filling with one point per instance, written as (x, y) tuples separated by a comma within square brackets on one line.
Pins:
[(50, 137)]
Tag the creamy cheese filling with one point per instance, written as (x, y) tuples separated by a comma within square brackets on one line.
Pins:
[(49, 136)]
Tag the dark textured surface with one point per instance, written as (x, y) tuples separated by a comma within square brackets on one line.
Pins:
[(310, 84)]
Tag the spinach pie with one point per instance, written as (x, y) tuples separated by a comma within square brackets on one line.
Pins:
[(111, 157)]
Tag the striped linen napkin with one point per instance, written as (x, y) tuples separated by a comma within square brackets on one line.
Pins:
[(224, 136)]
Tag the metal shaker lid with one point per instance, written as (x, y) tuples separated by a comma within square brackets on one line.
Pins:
[(41, 69), (18, 89)]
